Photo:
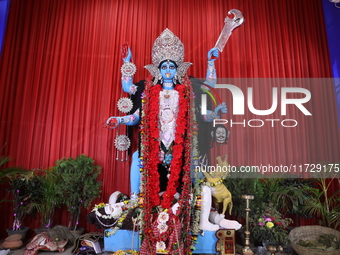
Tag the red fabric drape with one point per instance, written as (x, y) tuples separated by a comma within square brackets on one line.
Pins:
[(60, 76)]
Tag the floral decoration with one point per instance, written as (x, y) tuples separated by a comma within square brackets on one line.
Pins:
[(271, 226), (100, 205), (126, 208), (26, 191), (163, 217), (161, 247), (180, 165), (121, 252), (162, 227), (117, 212)]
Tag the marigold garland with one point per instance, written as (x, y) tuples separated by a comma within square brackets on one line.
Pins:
[(121, 252)]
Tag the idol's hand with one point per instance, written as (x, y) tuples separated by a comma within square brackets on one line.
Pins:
[(128, 69), (222, 108), (128, 55), (112, 123), (213, 54)]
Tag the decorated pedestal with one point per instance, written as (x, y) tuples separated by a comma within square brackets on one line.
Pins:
[(127, 240), (121, 240), (210, 244), (206, 243)]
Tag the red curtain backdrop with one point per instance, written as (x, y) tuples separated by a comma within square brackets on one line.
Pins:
[(60, 77)]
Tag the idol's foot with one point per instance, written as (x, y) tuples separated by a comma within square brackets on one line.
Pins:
[(206, 225)]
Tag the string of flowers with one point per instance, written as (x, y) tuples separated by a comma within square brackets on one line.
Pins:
[(146, 224), (150, 160), (196, 201), (128, 206), (117, 212), (196, 211), (187, 182), (121, 252), (177, 162)]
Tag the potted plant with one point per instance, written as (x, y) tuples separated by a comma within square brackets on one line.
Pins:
[(252, 184), (78, 185), (270, 226), (25, 189), (49, 198), (288, 193), (6, 173), (323, 205)]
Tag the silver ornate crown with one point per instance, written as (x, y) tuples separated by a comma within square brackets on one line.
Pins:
[(168, 47)]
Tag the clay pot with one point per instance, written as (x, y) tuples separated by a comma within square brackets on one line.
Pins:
[(13, 242)]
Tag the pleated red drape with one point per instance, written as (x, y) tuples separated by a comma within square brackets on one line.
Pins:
[(60, 76)]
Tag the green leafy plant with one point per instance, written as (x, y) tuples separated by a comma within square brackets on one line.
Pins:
[(323, 205), (288, 194), (7, 173), (26, 193), (251, 184), (270, 226), (78, 185), (49, 196)]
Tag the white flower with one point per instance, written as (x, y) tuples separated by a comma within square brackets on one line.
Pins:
[(160, 246), (163, 217), (162, 227), (117, 212)]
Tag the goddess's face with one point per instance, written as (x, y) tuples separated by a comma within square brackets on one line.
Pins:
[(168, 70)]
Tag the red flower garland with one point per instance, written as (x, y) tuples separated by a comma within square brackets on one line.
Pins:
[(150, 147), (178, 147)]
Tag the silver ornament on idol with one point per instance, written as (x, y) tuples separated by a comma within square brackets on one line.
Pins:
[(122, 142), (168, 47), (128, 69), (125, 104)]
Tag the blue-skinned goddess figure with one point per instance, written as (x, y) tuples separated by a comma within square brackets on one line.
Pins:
[(164, 109)]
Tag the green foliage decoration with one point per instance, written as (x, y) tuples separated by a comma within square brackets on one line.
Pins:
[(78, 184), (239, 184), (26, 194), (50, 199), (270, 226), (323, 204), (6, 173)]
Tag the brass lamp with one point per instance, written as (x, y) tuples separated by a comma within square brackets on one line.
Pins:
[(246, 249)]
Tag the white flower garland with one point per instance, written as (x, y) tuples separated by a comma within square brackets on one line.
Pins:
[(117, 213)]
